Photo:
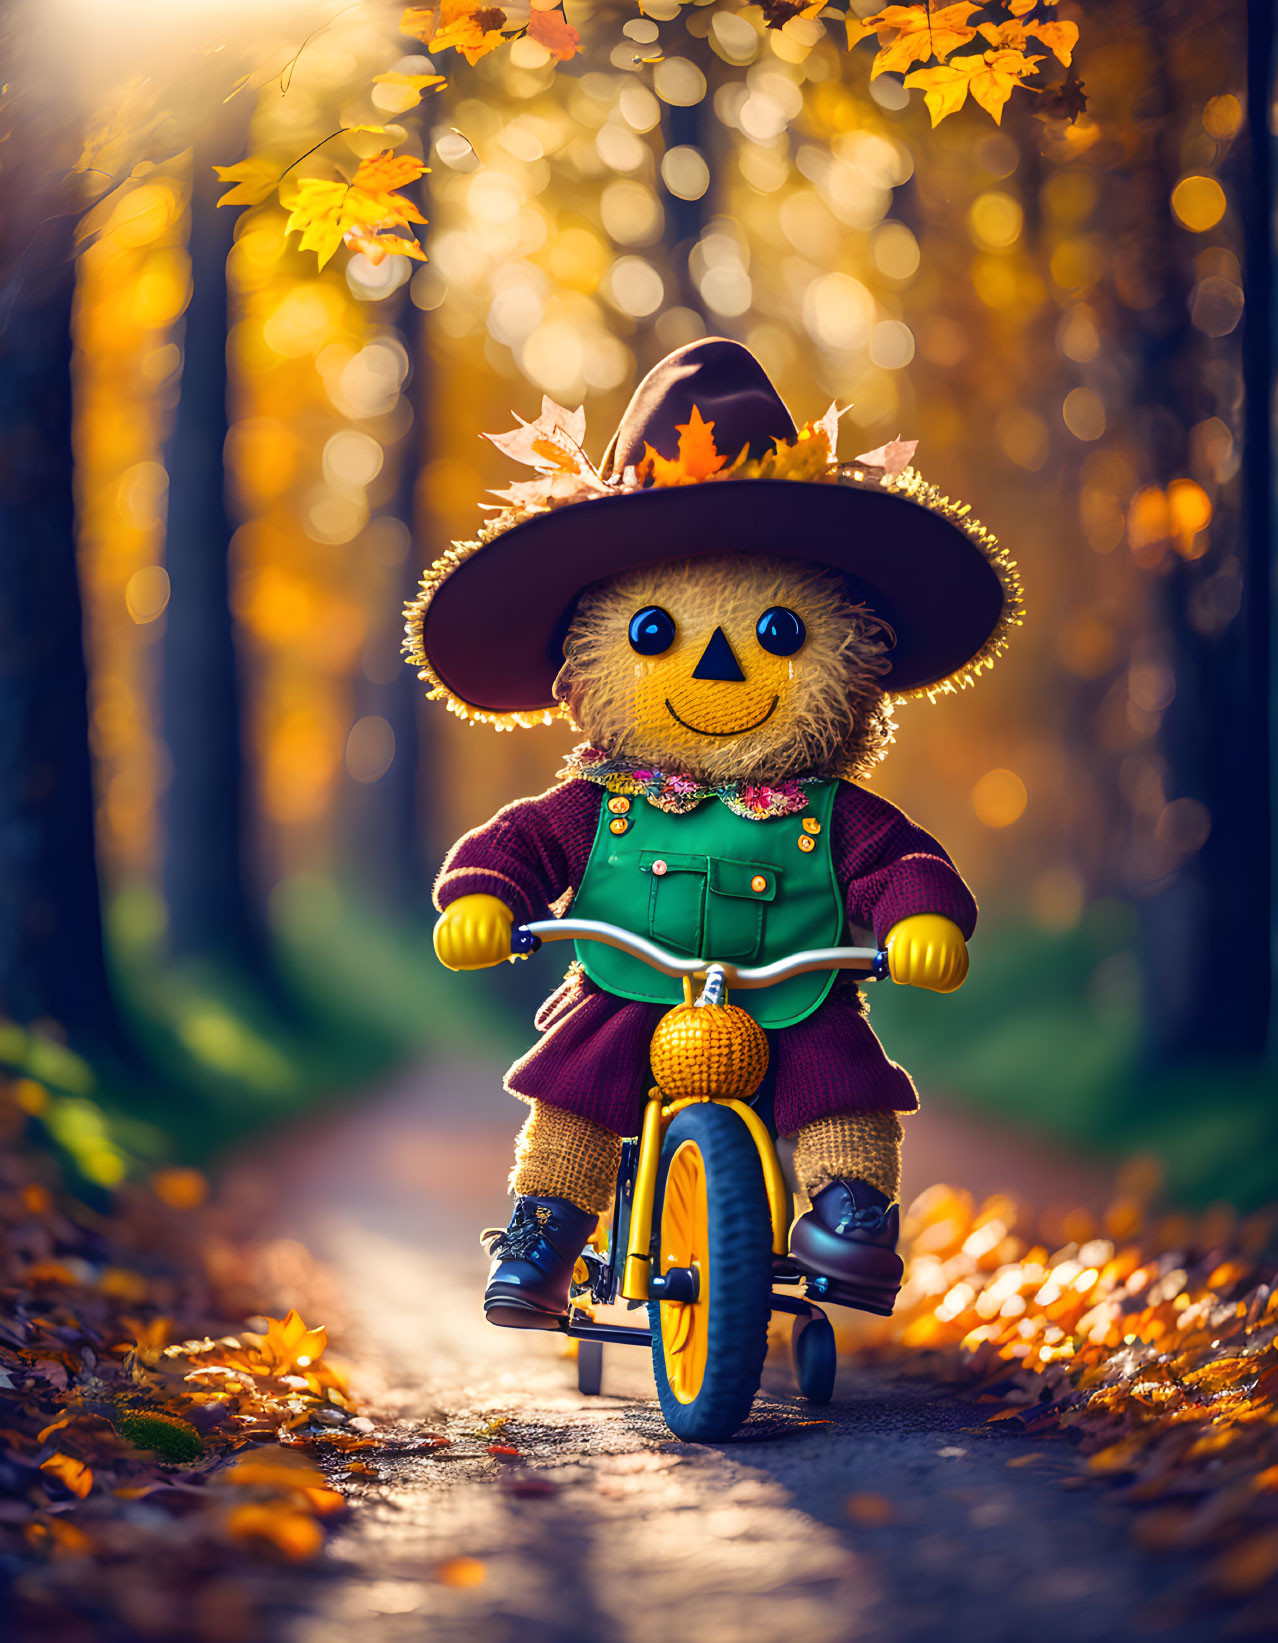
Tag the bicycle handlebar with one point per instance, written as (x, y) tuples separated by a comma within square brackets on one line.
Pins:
[(870, 961)]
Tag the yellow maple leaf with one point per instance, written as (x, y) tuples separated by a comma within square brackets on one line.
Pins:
[(255, 180), (288, 1345), (326, 212), (319, 212), (991, 77), (911, 34)]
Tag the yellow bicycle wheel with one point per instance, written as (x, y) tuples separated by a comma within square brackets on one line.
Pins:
[(712, 1261), (684, 1241)]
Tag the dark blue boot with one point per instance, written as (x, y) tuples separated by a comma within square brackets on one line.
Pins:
[(533, 1261), (847, 1243)]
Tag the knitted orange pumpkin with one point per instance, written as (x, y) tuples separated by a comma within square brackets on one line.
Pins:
[(708, 1049)]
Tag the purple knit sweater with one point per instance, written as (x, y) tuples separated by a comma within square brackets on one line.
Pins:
[(592, 1055)]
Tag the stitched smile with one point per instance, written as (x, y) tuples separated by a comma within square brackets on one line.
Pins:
[(740, 729)]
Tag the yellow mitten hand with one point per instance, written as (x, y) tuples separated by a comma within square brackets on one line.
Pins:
[(928, 951), (473, 932)]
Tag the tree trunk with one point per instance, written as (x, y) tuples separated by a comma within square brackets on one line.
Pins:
[(1207, 932), (212, 910), (389, 826), (52, 964)]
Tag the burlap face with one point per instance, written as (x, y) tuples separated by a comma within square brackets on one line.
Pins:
[(818, 712)]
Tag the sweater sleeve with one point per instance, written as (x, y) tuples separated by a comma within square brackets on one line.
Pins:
[(890, 869), (528, 854)]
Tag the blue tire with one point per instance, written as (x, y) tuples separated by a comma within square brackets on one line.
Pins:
[(711, 1211)]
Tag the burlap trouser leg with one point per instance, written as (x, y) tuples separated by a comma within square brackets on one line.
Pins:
[(862, 1146), (559, 1155)]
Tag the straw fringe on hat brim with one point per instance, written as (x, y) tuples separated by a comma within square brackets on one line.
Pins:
[(487, 628)]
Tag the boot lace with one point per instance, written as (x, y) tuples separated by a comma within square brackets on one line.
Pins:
[(519, 1240), (864, 1220)]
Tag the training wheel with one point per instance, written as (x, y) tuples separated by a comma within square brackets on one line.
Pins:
[(815, 1357), (589, 1367)]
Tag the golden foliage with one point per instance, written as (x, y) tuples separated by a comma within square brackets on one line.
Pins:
[(921, 34), (1154, 1342), (364, 212), (991, 77)]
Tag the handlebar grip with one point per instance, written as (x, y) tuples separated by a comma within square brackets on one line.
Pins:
[(881, 969), (523, 941)]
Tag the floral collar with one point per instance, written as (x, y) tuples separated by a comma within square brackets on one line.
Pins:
[(755, 801)]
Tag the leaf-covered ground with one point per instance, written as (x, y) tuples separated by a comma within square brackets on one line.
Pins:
[(173, 1465), (160, 1450)]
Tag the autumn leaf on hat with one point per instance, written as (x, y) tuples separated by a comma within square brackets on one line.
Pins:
[(697, 459), (893, 458), (551, 445)]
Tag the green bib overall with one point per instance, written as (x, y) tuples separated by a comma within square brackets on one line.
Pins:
[(711, 884)]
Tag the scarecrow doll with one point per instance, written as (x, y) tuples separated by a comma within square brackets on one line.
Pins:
[(727, 615)]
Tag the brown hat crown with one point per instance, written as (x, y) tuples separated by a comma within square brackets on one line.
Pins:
[(726, 384)]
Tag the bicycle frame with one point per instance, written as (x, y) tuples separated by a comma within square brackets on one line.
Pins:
[(635, 1279)]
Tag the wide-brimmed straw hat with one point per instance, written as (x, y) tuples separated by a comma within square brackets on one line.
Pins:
[(707, 460)]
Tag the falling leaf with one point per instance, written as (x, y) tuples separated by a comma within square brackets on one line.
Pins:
[(76, 1476), (255, 180), (551, 30)]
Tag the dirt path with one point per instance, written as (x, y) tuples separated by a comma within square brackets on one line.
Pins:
[(897, 1513)]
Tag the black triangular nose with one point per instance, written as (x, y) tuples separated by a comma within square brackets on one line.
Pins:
[(717, 661)]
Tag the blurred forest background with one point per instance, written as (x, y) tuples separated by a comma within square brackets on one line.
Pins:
[(222, 795)]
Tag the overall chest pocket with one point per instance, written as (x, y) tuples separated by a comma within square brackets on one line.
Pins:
[(676, 899), (708, 906), (737, 896)]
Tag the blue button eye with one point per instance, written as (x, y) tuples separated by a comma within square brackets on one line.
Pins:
[(780, 631), (652, 630)]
